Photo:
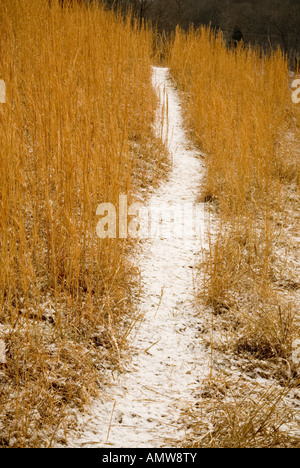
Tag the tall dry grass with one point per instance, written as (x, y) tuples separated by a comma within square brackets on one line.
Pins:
[(79, 114), (239, 108)]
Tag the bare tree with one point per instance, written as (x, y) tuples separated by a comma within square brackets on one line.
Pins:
[(266, 22)]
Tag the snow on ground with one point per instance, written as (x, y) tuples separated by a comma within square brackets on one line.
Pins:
[(143, 405)]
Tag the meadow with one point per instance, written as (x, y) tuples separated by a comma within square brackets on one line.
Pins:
[(79, 114), (239, 111), (78, 130)]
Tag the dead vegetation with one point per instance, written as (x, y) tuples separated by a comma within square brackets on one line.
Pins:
[(237, 414), (239, 108), (79, 92)]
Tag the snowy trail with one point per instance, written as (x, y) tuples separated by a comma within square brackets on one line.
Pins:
[(169, 359)]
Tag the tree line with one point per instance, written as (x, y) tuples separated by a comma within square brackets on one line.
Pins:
[(268, 23)]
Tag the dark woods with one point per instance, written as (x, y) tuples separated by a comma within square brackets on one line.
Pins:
[(267, 23), (237, 37)]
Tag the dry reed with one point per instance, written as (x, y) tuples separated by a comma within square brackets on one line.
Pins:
[(78, 120), (238, 105)]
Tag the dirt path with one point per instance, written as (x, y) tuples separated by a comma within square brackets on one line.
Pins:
[(168, 359)]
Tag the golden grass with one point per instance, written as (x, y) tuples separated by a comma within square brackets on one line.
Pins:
[(79, 98), (239, 107), (240, 414)]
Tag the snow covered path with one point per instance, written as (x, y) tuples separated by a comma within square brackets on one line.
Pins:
[(168, 358)]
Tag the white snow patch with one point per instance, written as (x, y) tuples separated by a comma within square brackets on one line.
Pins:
[(143, 406)]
